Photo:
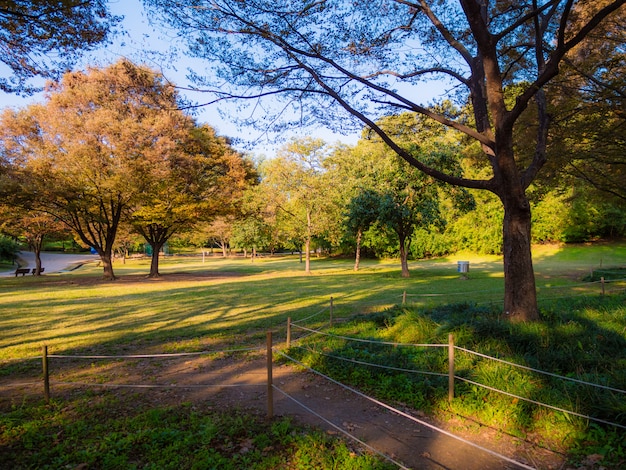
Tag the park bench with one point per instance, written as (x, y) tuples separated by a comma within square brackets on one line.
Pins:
[(40, 271), (21, 271)]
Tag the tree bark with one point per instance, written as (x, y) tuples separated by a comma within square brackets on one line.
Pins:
[(37, 245), (357, 258), (307, 244), (154, 262), (520, 295), (107, 265), (404, 258), (307, 255)]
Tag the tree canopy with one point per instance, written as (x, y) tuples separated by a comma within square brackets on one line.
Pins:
[(45, 38), (96, 148)]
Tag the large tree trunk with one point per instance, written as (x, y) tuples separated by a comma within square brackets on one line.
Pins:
[(520, 296), (107, 264), (154, 262), (37, 246)]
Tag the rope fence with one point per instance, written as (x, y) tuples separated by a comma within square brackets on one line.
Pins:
[(406, 415), (45, 357), (271, 387), (308, 332), (452, 376)]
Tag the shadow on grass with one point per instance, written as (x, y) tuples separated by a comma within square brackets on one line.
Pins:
[(583, 338)]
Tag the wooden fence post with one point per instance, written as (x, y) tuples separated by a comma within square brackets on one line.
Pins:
[(46, 374), (270, 380), (331, 311), (450, 367), (288, 332), (404, 298), (602, 282)]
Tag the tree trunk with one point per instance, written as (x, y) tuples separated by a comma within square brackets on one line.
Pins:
[(37, 246), (357, 258), (307, 255), (107, 265), (520, 295), (154, 263), (307, 243), (404, 255)]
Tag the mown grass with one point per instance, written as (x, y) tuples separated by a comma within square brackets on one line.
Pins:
[(233, 302)]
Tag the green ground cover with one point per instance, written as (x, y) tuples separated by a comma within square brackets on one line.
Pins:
[(198, 306)]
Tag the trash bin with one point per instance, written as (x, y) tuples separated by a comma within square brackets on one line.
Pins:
[(463, 268)]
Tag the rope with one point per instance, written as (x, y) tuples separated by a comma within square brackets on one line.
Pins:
[(313, 315), (105, 385), (359, 340), (356, 361), (13, 359), (341, 430), (540, 371), (151, 356), (406, 415), (23, 384), (540, 403)]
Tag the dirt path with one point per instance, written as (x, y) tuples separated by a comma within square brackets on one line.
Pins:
[(414, 445)]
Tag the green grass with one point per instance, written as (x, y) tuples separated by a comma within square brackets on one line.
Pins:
[(233, 302), (112, 432), (582, 338)]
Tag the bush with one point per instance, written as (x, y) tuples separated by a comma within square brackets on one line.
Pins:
[(8, 249)]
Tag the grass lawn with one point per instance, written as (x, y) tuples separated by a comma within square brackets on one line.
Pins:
[(226, 301), (221, 303)]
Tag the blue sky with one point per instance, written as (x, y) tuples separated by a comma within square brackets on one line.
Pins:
[(135, 41), (138, 37)]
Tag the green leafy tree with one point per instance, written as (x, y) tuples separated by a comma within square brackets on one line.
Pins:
[(295, 179), (46, 38), (9, 248), (251, 232), (332, 58), (362, 212), (389, 191)]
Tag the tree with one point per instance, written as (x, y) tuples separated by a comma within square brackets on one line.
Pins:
[(362, 212), (385, 190), (33, 227), (9, 249), (372, 58), (218, 233), (199, 178), (88, 150), (295, 179), (46, 38)]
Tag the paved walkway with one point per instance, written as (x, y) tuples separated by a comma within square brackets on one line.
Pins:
[(51, 262)]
